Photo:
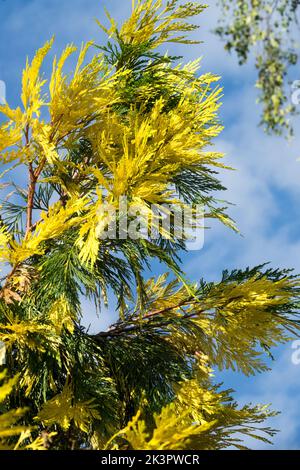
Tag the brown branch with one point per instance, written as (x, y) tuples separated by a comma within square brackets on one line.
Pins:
[(30, 199), (33, 177), (136, 324), (168, 309), (40, 167)]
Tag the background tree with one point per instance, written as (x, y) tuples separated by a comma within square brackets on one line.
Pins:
[(269, 31), (129, 122)]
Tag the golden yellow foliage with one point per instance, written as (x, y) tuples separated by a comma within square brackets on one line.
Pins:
[(63, 409), (129, 124), (200, 418)]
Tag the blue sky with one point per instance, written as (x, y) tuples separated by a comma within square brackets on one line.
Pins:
[(264, 188)]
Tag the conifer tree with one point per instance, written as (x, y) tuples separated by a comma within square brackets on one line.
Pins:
[(131, 121)]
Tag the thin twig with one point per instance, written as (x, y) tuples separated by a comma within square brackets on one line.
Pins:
[(131, 326)]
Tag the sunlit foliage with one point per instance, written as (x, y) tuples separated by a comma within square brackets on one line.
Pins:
[(130, 121)]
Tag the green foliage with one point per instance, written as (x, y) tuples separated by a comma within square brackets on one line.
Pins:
[(269, 29), (130, 122)]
